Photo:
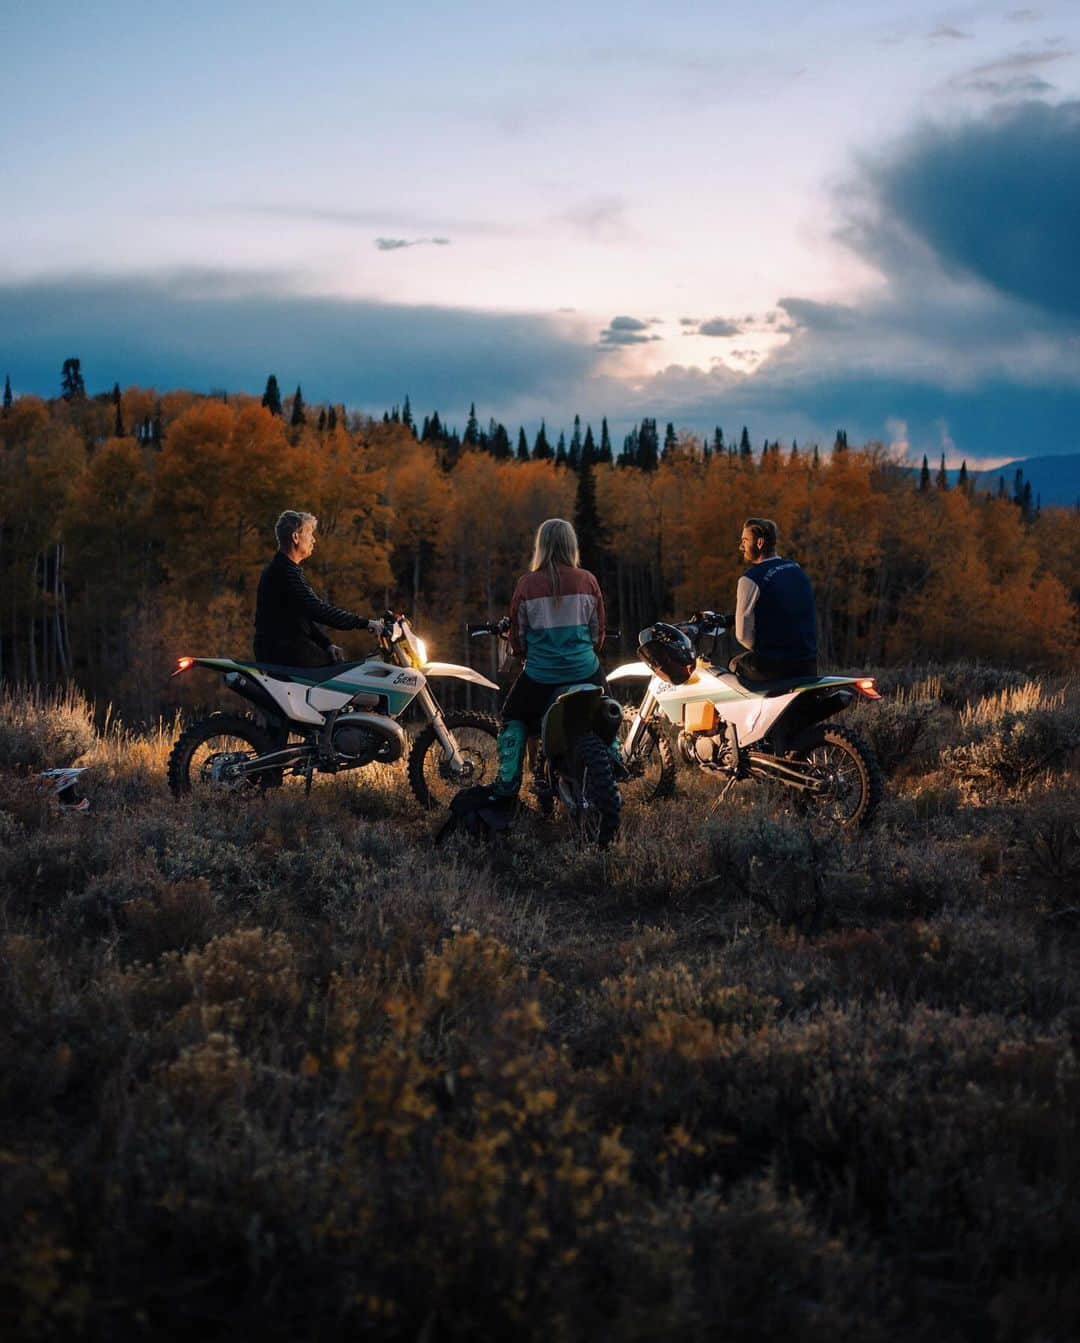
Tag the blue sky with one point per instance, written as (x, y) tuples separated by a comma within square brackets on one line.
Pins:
[(790, 216)]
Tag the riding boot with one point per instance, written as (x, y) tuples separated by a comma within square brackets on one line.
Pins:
[(618, 760), (511, 749)]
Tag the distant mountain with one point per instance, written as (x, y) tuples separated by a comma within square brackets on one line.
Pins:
[(1054, 480)]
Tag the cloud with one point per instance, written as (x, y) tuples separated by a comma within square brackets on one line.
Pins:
[(383, 216), (1009, 76), (946, 31), (600, 220), (997, 199), (230, 329), (719, 326), (1022, 15), (626, 331), (396, 244), (688, 321)]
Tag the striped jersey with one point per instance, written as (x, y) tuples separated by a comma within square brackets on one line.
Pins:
[(557, 636)]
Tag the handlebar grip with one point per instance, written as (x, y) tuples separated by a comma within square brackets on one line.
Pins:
[(474, 630)]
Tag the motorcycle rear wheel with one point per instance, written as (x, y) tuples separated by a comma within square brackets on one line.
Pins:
[(599, 819), (434, 785), (846, 763), (200, 746)]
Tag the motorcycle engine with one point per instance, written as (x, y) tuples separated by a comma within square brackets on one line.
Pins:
[(358, 745), (360, 738), (708, 749)]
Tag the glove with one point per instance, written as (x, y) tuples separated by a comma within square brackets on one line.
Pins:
[(337, 653)]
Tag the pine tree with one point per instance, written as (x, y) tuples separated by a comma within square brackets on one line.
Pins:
[(72, 387), (605, 454), (472, 428), (962, 478), (573, 453), (298, 417), (924, 476), (587, 524), (629, 454), (560, 451), (118, 421), (541, 448), (588, 448), (1018, 487), (1025, 501), (648, 453), (840, 444), (322, 419), (794, 450), (670, 442), (331, 419), (745, 450), (7, 392), (522, 445), (272, 397), (1001, 487), (718, 442), (816, 459), (433, 430), (942, 480), (407, 417), (499, 443)]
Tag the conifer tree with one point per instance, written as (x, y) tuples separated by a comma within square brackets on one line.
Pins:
[(298, 417), (745, 450), (331, 419), (840, 444), (560, 451), (499, 443), (1025, 501), (118, 420), (587, 524), (629, 454), (272, 396), (573, 453), (942, 480), (718, 442), (541, 448), (605, 442), (648, 452), (794, 450), (471, 437), (7, 392), (407, 417), (962, 478), (522, 445), (322, 419), (588, 448), (670, 441), (816, 459), (1018, 487), (72, 387), (924, 476)]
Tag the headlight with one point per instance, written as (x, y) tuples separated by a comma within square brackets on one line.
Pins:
[(421, 652)]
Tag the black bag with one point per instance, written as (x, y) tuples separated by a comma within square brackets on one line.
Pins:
[(479, 813)]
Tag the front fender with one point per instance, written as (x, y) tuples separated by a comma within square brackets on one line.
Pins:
[(631, 669), (461, 673)]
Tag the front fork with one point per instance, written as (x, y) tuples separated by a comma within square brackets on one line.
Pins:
[(644, 712), (452, 757)]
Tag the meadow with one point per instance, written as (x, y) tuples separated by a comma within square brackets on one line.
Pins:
[(277, 1067)]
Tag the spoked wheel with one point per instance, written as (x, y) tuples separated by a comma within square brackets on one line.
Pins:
[(846, 767), (200, 762), (599, 818), (433, 780), (651, 767)]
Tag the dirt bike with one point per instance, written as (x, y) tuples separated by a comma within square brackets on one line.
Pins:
[(570, 758), (346, 717), (738, 729)]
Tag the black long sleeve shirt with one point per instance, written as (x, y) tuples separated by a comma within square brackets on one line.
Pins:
[(286, 612)]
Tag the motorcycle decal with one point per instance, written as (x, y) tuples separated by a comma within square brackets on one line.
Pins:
[(405, 678)]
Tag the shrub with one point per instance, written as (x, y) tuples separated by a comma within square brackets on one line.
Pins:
[(44, 732), (1008, 751)]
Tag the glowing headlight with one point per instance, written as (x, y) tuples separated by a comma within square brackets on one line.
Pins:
[(421, 652)]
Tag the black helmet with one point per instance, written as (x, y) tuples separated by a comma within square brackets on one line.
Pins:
[(668, 651)]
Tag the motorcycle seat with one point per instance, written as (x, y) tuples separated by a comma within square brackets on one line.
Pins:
[(782, 686), (316, 674)]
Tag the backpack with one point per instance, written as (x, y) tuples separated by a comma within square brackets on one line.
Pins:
[(478, 813)]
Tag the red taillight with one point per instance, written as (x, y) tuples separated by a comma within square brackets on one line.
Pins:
[(865, 686), (182, 664)]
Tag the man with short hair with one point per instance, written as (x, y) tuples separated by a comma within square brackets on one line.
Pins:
[(286, 609), (775, 619)]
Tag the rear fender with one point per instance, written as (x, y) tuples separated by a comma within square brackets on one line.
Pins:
[(572, 714), (807, 709)]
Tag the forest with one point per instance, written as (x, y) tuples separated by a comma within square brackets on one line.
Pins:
[(134, 526)]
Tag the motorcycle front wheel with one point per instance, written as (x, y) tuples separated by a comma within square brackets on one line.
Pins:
[(203, 749), (846, 767), (652, 766), (432, 780), (601, 815)]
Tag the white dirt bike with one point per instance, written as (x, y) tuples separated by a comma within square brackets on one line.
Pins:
[(736, 729), (345, 716)]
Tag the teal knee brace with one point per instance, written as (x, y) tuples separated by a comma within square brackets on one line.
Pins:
[(511, 749)]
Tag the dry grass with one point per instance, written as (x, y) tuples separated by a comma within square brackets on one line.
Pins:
[(276, 1067)]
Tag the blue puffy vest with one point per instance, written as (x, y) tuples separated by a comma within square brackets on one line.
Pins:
[(785, 628)]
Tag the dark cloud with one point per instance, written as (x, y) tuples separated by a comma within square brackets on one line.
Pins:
[(626, 331), (200, 329), (688, 321), (719, 326), (396, 244), (997, 199)]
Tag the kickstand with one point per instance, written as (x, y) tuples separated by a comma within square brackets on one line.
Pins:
[(307, 779), (724, 792)]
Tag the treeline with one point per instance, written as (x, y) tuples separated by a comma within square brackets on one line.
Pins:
[(133, 527)]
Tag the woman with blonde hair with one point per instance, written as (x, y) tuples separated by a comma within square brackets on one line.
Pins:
[(557, 627)]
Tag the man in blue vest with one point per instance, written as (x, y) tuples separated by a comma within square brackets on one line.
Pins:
[(774, 610)]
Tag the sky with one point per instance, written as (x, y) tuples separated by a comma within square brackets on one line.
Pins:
[(794, 216)]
